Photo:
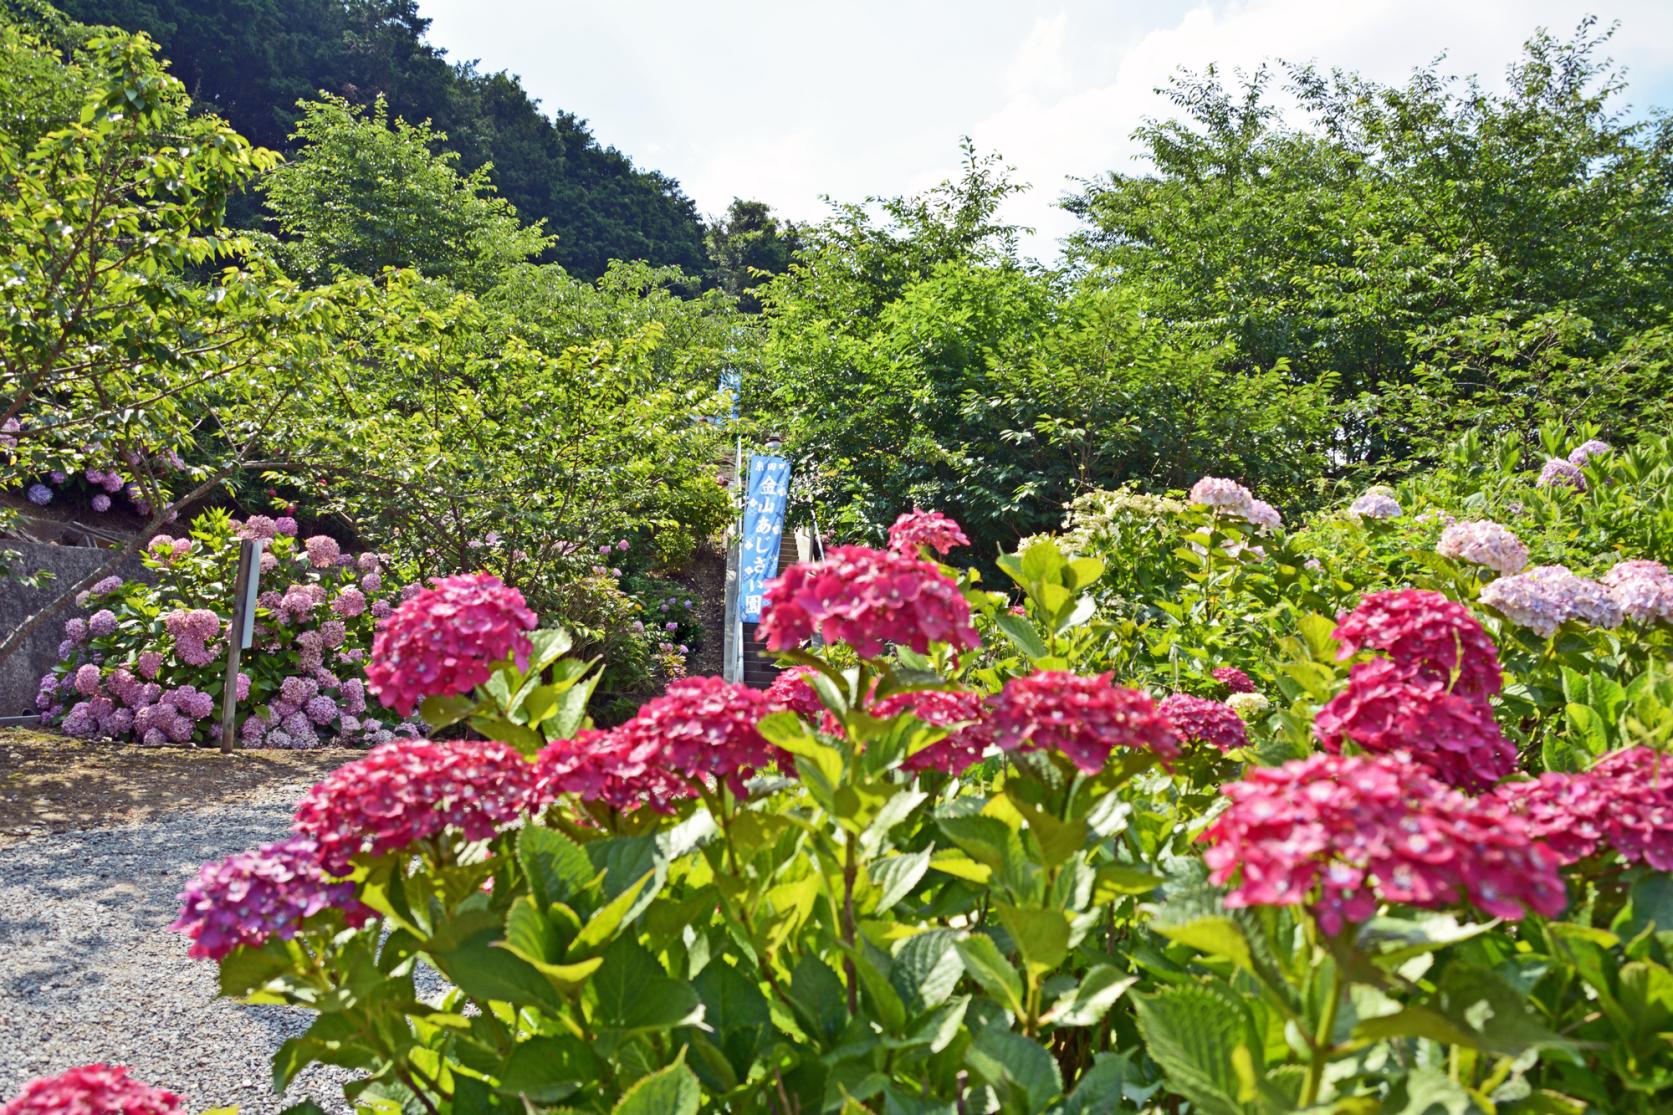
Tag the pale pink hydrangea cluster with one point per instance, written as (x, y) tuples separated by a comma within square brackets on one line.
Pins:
[(918, 528), (1625, 802), (1643, 590), (1342, 834), (92, 1090), (868, 599), (166, 550), (409, 790), (1234, 499), (251, 897), (1084, 718), (257, 528), (193, 631), (1484, 542), (323, 551), (1558, 473), (1545, 597), (1376, 503), (447, 639)]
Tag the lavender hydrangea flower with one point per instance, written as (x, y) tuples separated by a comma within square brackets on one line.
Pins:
[(39, 494)]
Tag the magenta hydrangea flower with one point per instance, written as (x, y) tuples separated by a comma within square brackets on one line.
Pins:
[(704, 727), (1429, 636), (918, 528), (1385, 710), (1210, 722), (1086, 718), (1558, 473), (1483, 542), (410, 790), (1341, 834), (92, 1090), (192, 631), (447, 639), (87, 680), (1624, 802), (792, 691), (249, 897), (961, 710), (868, 599), (1234, 679), (323, 551), (148, 664), (1545, 597), (620, 770)]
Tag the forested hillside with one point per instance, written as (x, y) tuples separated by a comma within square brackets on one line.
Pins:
[(252, 60)]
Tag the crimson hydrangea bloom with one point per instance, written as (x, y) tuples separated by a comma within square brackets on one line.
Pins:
[(1625, 801), (447, 639), (1384, 710), (1234, 679), (704, 727), (251, 896), (619, 770), (1085, 718), (792, 691), (925, 528), (1208, 721), (867, 598), (1340, 834), (960, 749), (1428, 635), (408, 790), (92, 1090)]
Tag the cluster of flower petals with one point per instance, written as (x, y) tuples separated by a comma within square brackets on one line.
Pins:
[(1484, 542), (1586, 450), (250, 897), (1234, 679), (1624, 802), (1545, 597), (963, 711), (1341, 834), (1558, 473), (1376, 503), (621, 770), (1085, 718), (702, 728), (918, 528), (1234, 499), (1206, 721), (447, 639), (92, 1090), (868, 599), (792, 691), (1433, 638), (409, 790), (1385, 710), (1643, 590)]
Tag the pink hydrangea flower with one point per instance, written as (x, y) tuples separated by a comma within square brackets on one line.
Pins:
[(867, 598), (323, 551), (1643, 590), (1558, 473), (285, 525), (367, 563), (250, 897), (1385, 710), (1625, 802), (1545, 597), (447, 639), (87, 680), (1085, 718), (918, 528), (704, 727), (1234, 679), (1262, 514), (963, 711), (1429, 636), (620, 770), (410, 790), (258, 528), (1342, 834), (92, 1090), (192, 631), (75, 630), (101, 623), (1483, 542), (1210, 722), (350, 602), (1222, 495), (792, 691), (1375, 504)]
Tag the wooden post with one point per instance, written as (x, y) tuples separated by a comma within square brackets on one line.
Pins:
[(239, 632)]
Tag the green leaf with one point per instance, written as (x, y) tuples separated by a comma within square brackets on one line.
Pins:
[(608, 920), (736, 1013), (818, 997), (926, 969), (531, 936), (896, 876), (1193, 913), (1588, 728), (1041, 935), (548, 1069), (1024, 1074), (791, 732), (989, 968), (879, 993), (1424, 1091), (631, 993), (1472, 1007), (1021, 633), (1114, 880), (445, 709), (557, 869), (1088, 1001), (670, 1091), (1202, 1036), (482, 968), (1059, 840)]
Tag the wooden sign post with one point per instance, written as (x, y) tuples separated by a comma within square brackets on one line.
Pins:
[(239, 634)]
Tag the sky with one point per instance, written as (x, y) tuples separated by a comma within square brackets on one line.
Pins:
[(786, 101)]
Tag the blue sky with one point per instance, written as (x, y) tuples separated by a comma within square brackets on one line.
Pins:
[(790, 100)]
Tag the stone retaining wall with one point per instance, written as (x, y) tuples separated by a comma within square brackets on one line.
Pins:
[(20, 673)]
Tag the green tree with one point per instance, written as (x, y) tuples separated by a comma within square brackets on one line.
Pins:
[(365, 192), (748, 246)]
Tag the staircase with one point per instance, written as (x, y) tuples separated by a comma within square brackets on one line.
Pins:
[(759, 668)]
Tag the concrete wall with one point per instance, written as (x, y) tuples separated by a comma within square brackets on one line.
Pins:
[(20, 673)]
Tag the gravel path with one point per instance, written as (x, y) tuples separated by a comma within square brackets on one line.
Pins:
[(89, 971)]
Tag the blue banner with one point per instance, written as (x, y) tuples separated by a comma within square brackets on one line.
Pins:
[(769, 487)]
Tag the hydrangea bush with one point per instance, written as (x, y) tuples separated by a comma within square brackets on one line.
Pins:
[(146, 660), (981, 851)]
